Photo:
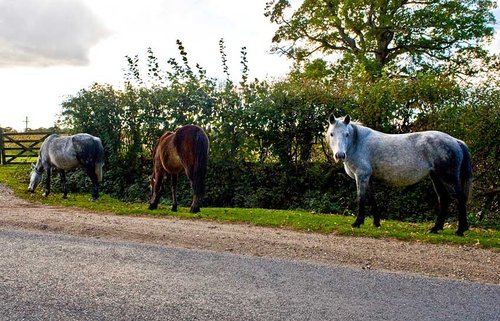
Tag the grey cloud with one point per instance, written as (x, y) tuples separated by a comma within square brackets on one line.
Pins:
[(47, 32)]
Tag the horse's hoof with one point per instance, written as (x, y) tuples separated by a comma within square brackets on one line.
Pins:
[(174, 208), (45, 194), (153, 206), (356, 225), (435, 229), (460, 233), (376, 224), (194, 210)]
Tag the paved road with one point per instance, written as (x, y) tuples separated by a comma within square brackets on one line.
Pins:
[(46, 276)]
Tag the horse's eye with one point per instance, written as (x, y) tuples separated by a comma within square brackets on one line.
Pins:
[(347, 135), (331, 134)]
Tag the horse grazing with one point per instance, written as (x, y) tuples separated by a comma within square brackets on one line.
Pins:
[(67, 153), (402, 160), (185, 149)]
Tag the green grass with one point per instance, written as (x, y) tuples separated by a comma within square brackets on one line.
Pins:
[(16, 177)]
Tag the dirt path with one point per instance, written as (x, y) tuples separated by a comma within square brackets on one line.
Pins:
[(458, 262)]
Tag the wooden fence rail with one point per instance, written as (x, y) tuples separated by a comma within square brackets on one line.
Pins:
[(18, 148)]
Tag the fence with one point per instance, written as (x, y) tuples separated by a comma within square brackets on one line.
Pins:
[(17, 148)]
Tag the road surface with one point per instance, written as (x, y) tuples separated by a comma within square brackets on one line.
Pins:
[(52, 276)]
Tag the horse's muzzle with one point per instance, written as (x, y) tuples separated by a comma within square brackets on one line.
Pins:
[(339, 156), (31, 190)]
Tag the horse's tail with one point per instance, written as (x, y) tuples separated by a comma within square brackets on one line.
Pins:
[(200, 162), (99, 161), (466, 171)]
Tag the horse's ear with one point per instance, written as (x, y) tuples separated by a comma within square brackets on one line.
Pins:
[(347, 119), (331, 119)]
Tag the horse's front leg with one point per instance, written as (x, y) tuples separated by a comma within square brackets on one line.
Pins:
[(62, 175), (195, 204), (362, 183), (47, 181), (462, 211), (156, 190), (95, 189), (173, 187)]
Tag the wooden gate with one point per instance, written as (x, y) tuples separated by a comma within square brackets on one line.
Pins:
[(18, 148)]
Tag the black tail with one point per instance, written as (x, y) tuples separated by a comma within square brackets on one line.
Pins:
[(90, 153), (466, 171), (200, 163)]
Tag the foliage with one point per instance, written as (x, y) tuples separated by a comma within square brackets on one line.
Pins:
[(392, 105), (293, 117), (399, 60), (397, 37), (266, 138)]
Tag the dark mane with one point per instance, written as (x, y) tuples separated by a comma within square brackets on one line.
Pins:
[(355, 130)]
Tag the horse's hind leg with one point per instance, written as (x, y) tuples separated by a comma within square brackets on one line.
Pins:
[(173, 188), (462, 210), (443, 203), (157, 190), (62, 175), (95, 182), (195, 204)]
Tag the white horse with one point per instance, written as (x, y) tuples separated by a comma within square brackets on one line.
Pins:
[(67, 153), (401, 160)]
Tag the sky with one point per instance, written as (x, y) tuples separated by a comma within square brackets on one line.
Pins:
[(50, 49)]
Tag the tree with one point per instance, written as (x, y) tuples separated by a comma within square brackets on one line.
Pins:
[(395, 36)]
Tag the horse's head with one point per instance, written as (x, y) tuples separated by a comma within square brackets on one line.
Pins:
[(35, 178), (339, 136)]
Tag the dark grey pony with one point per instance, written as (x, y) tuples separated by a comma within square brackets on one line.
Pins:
[(67, 153), (401, 160)]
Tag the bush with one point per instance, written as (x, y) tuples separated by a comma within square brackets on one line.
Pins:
[(266, 138)]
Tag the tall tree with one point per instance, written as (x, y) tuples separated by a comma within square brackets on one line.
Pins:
[(396, 36)]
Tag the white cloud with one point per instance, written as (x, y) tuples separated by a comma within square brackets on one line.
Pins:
[(47, 32), (65, 34)]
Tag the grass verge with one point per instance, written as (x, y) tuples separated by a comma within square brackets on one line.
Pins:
[(16, 177)]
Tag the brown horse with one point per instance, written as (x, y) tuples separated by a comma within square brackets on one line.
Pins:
[(185, 149)]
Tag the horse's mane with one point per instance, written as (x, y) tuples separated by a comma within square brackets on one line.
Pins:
[(355, 129), (354, 122)]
